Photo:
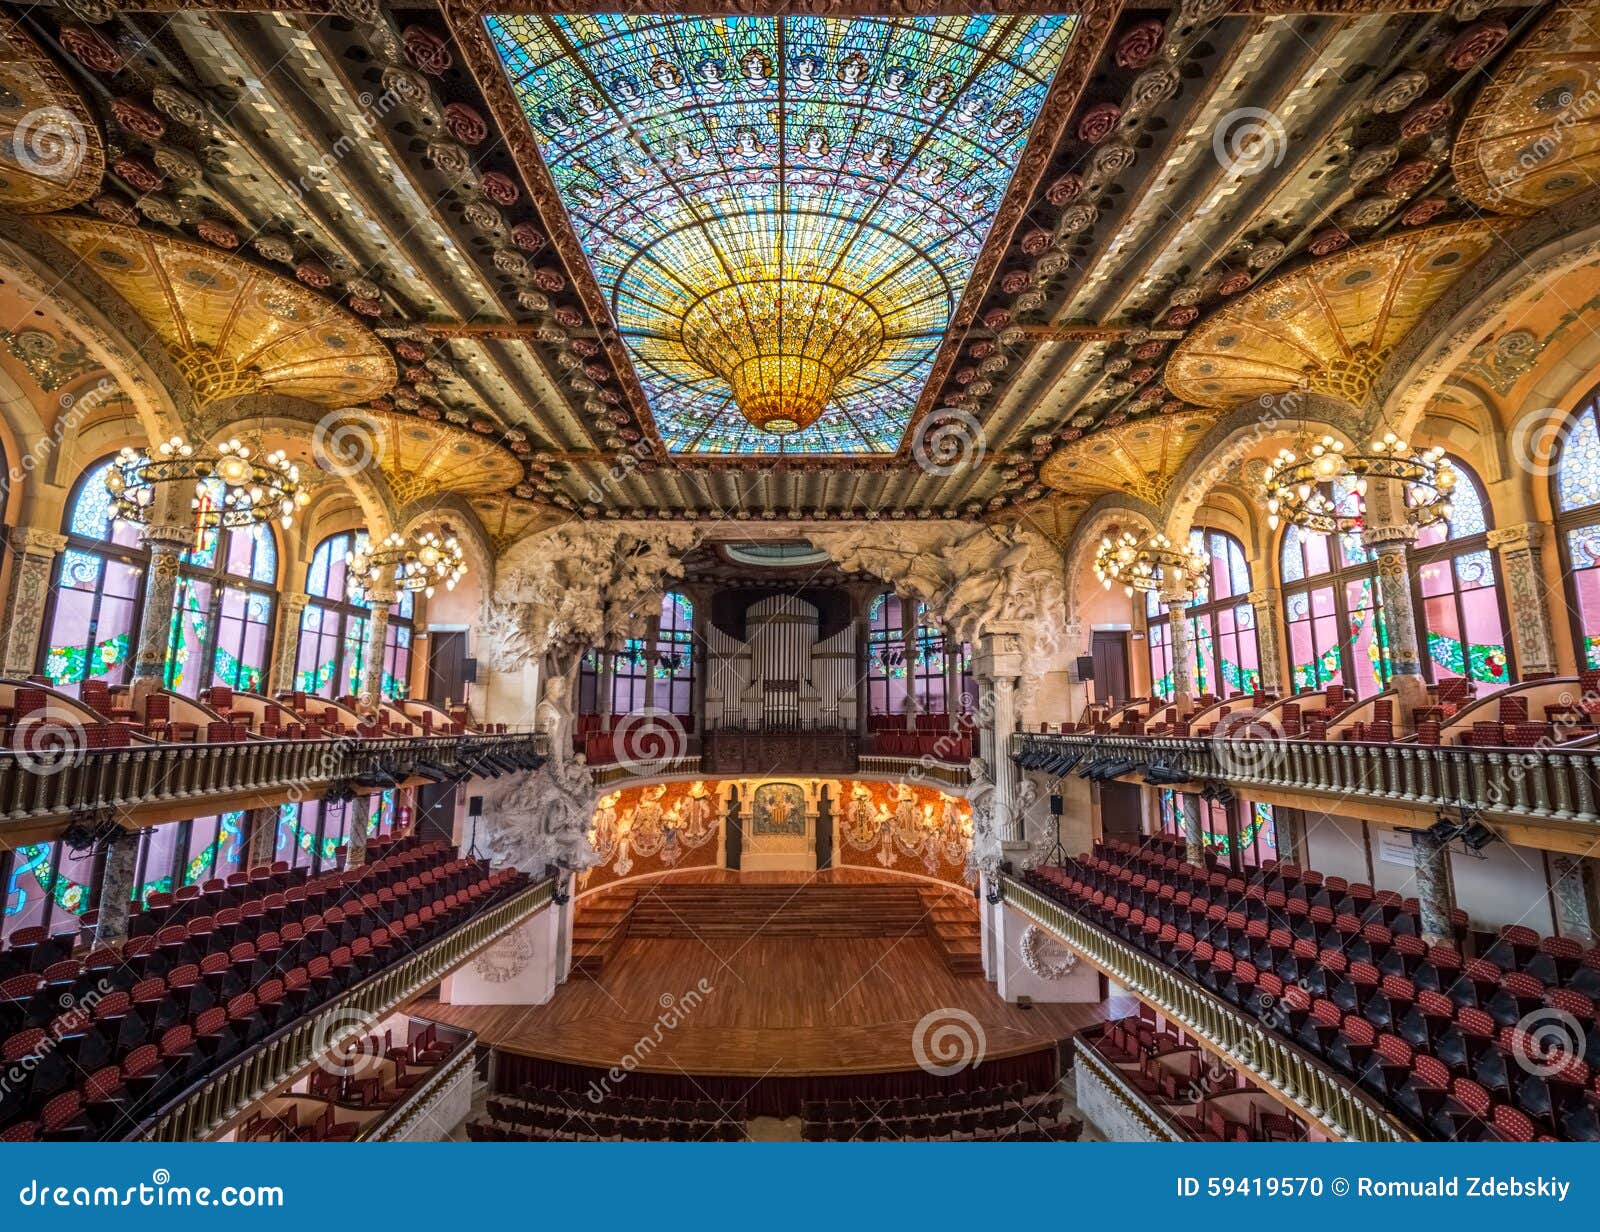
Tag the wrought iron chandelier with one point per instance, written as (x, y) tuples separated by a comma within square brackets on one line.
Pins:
[(1146, 565), (232, 486), (1324, 489), (410, 564)]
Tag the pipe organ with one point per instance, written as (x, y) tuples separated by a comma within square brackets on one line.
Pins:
[(783, 676)]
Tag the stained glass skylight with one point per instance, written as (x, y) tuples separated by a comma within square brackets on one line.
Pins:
[(716, 167)]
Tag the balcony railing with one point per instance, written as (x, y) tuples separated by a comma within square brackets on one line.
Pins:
[(122, 780), (1321, 1096), (1546, 783), (209, 1104), (422, 1101)]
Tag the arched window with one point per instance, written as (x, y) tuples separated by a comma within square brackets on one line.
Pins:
[(99, 587), (674, 657), (1454, 591), (1222, 624), (1577, 501), (220, 631), (335, 627), (222, 611), (886, 655), (1332, 608)]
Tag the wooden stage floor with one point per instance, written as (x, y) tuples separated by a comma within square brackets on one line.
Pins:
[(782, 1007)]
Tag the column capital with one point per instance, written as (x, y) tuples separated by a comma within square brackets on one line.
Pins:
[(1266, 596), (1525, 535), (293, 600), (1389, 535), (1176, 594), (33, 541), (162, 537)]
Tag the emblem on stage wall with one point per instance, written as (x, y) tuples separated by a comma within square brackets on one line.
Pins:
[(1043, 955), (778, 808), (506, 959)]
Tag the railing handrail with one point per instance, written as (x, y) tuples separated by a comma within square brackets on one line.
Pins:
[(1321, 1096), (396, 1119), (253, 1073), (1542, 782)]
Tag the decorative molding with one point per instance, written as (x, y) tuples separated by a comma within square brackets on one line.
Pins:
[(1045, 956)]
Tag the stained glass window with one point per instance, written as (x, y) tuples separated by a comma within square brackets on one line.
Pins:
[(216, 848), (929, 674), (99, 582), (674, 658), (699, 154), (1222, 625), (45, 885), (1462, 624), (336, 628), (1333, 608), (1577, 499), (886, 655)]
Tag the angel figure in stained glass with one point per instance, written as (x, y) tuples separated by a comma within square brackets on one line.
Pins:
[(804, 72), (667, 78), (757, 66), (935, 92), (896, 80), (853, 72)]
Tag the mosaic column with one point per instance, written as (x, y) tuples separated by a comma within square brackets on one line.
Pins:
[(33, 560), (115, 899), (700, 659), (166, 544), (908, 647), (1177, 601), (1194, 842), (1269, 648), (1390, 535), (286, 642), (355, 833), (1522, 576), (952, 681), (1433, 886), (1573, 886), (263, 829), (1000, 664), (380, 597), (608, 666), (652, 631)]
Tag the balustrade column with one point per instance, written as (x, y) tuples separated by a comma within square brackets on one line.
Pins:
[(1522, 573), (286, 642), (1177, 601), (1267, 605), (115, 900), (380, 597), (1433, 886), (166, 544), (34, 555), (1390, 534)]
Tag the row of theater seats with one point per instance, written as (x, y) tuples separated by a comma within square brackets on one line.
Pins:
[(1168, 1068), (104, 1039), (990, 1114), (571, 1116), (931, 722), (956, 747), (1455, 1045), (369, 1076)]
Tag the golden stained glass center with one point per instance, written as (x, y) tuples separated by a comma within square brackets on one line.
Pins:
[(783, 345)]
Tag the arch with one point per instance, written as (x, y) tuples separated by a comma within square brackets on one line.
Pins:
[(1547, 245), (1255, 430)]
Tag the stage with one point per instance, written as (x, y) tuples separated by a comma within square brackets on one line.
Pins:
[(767, 1007)]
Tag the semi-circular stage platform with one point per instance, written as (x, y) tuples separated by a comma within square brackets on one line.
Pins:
[(769, 1008)]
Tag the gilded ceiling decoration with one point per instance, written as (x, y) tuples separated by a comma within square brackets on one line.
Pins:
[(422, 458), (1139, 458), (782, 212), (1532, 137), (1328, 325), (231, 328), (51, 156)]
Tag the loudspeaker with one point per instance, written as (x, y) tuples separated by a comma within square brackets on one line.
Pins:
[(469, 670), (474, 806), (1056, 808), (1086, 669)]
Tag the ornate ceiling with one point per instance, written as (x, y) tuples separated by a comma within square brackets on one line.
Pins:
[(1040, 254)]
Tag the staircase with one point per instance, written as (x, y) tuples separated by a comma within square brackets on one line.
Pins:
[(952, 917), (690, 911), (599, 926), (699, 911)]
